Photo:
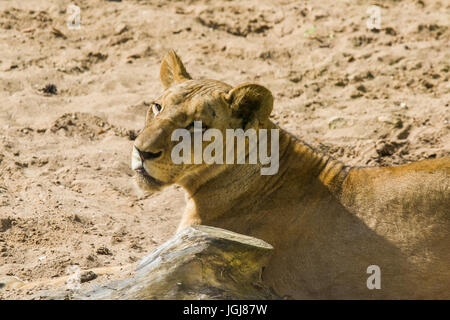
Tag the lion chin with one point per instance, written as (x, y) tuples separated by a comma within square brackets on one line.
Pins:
[(148, 183)]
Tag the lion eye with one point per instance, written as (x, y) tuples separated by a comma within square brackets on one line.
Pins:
[(156, 108)]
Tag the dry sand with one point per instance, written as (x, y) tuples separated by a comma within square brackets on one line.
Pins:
[(66, 193)]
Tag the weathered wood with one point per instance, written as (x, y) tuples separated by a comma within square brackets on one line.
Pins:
[(201, 262)]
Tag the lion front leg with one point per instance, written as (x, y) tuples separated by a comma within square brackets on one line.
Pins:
[(189, 218)]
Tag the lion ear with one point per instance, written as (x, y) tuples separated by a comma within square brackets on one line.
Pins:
[(250, 102), (172, 70)]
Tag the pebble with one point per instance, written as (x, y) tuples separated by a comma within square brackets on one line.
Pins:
[(87, 276), (121, 28)]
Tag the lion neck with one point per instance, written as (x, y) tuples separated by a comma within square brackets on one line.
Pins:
[(236, 189)]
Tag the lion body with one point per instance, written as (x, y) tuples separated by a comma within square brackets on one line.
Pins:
[(327, 222)]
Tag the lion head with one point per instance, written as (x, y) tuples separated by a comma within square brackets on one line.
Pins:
[(216, 104)]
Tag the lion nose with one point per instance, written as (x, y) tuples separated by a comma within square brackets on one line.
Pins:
[(146, 155)]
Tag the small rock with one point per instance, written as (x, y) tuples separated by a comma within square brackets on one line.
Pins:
[(5, 224), (356, 95), (57, 33), (390, 31), (361, 88), (337, 122), (91, 258), (121, 28), (104, 251), (50, 89), (427, 84), (87, 276), (132, 134), (387, 148), (404, 133), (387, 119), (341, 83), (398, 124)]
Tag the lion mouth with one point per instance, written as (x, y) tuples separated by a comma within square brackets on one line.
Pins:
[(143, 173)]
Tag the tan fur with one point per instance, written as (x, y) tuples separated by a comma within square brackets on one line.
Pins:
[(328, 222)]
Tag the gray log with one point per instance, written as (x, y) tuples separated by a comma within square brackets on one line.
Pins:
[(201, 262)]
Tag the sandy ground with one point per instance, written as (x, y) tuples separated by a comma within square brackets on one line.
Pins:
[(66, 193)]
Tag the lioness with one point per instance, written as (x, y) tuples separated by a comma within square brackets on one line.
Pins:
[(327, 222)]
